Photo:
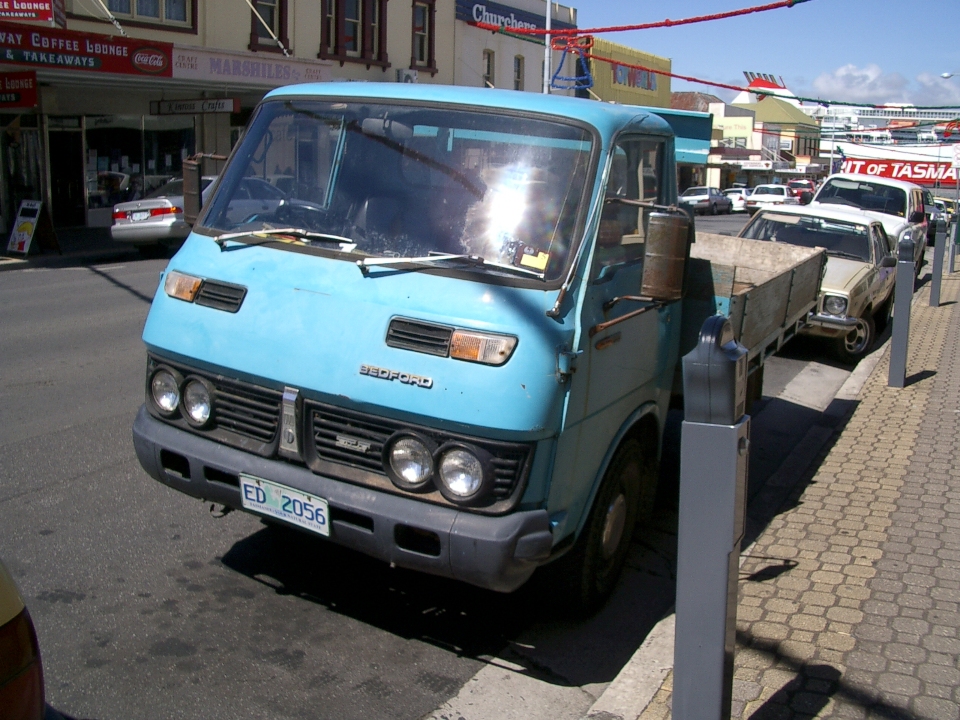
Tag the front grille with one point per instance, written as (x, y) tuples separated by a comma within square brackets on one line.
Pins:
[(356, 440), (221, 295), (246, 409), (419, 337)]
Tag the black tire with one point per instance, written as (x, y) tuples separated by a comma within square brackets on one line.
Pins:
[(713, 209), (858, 342), (590, 571)]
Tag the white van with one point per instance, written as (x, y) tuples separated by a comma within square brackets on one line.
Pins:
[(897, 204)]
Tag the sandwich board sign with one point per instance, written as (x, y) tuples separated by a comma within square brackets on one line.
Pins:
[(24, 227)]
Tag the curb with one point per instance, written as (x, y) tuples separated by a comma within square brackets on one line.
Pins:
[(642, 677)]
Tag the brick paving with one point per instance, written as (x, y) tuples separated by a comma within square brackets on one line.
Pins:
[(849, 602)]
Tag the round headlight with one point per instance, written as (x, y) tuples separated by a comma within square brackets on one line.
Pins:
[(835, 305), (197, 401), (165, 391), (409, 461), (461, 474)]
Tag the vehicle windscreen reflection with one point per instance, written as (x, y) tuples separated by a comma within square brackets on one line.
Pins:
[(410, 182), (838, 238)]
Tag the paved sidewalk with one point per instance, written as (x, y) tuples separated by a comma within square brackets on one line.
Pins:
[(78, 246), (849, 601)]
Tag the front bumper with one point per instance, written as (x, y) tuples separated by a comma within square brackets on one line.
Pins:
[(498, 553), (827, 325)]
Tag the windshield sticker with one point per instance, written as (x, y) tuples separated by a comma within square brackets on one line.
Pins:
[(533, 258)]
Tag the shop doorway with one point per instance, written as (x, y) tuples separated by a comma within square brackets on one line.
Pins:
[(66, 176)]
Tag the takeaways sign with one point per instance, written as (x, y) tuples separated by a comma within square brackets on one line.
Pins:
[(69, 50), (44, 10)]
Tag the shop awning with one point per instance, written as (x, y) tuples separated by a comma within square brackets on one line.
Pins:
[(692, 130)]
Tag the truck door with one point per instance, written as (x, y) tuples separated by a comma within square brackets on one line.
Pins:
[(625, 365)]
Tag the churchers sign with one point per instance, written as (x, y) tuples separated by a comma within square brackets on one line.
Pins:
[(68, 50)]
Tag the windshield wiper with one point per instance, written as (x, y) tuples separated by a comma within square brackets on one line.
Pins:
[(840, 253), (298, 233), (429, 260)]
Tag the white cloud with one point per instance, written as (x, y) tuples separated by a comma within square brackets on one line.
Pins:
[(870, 84)]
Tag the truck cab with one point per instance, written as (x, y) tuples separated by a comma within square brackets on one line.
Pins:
[(433, 348)]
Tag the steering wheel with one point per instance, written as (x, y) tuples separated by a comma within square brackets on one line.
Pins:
[(301, 213)]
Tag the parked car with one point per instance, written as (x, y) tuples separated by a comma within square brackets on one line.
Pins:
[(766, 195), (933, 213), (803, 189), (702, 200), (21, 669), (738, 198), (156, 220), (856, 293), (898, 204), (948, 207)]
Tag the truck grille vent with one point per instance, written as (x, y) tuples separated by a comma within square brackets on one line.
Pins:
[(357, 439), (220, 295), (247, 409), (419, 337)]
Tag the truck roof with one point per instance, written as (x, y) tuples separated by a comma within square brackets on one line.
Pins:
[(606, 117)]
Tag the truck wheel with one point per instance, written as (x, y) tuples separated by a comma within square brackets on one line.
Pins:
[(857, 343), (609, 529)]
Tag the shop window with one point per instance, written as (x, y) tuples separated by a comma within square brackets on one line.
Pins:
[(174, 12), (518, 72), (489, 58), (273, 15), (423, 55), (354, 31)]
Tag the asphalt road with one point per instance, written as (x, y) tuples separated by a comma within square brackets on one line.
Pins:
[(146, 605)]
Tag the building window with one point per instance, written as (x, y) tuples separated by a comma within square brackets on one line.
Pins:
[(423, 55), (354, 31), (488, 68), (518, 72), (153, 11), (274, 14)]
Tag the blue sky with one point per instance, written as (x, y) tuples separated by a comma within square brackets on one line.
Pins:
[(854, 50)]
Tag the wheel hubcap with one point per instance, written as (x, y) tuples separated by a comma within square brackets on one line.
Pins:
[(857, 338), (613, 525)]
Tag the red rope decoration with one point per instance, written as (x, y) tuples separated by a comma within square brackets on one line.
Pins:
[(644, 26)]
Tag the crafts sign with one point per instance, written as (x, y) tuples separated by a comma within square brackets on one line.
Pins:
[(69, 50)]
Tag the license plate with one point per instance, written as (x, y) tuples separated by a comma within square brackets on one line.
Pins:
[(139, 215), (283, 503)]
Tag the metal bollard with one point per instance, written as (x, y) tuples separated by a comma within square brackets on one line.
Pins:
[(937, 277), (903, 297), (714, 450), (952, 233)]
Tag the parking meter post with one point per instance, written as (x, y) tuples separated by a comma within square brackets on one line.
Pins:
[(939, 245), (903, 297), (714, 451), (952, 233)]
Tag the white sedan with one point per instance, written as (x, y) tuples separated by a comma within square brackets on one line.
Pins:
[(770, 195), (738, 196)]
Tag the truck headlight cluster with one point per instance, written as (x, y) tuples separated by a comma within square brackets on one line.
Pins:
[(461, 472), (171, 394), (835, 305)]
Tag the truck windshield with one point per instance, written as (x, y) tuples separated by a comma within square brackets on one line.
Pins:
[(410, 181), (842, 239)]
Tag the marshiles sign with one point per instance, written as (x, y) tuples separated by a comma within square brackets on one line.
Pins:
[(68, 50)]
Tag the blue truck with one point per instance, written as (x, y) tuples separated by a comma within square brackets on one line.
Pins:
[(441, 326)]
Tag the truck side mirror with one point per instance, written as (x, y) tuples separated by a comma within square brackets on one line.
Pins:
[(191, 190), (668, 239)]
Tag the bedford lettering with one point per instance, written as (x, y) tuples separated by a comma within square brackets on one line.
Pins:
[(405, 378)]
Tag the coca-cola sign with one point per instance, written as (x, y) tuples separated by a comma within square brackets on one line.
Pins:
[(151, 60)]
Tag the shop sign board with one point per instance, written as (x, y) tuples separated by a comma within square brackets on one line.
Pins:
[(18, 90), (191, 63), (28, 216), (69, 50), (195, 107), (919, 172), (510, 18), (43, 10), (756, 165)]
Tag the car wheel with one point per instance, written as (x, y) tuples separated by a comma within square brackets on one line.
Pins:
[(713, 209), (858, 341)]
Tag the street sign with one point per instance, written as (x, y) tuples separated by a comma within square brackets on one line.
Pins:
[(956, 156)]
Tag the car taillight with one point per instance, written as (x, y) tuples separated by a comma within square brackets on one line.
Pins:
[(21, 672), (119, 215), (154, 212)]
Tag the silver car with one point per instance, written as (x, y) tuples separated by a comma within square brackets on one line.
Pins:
[(157, 219)]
